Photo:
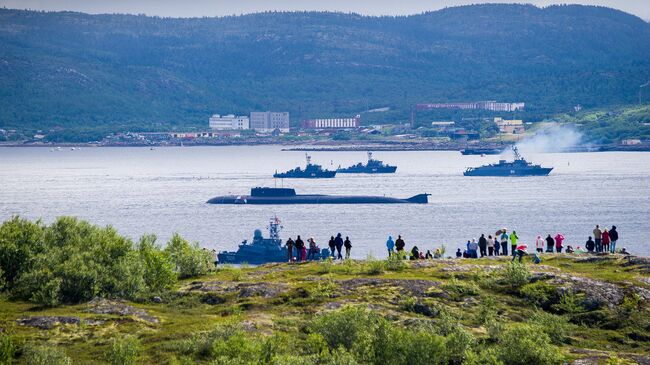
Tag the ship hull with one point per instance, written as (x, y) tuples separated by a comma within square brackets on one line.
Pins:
[(314, 175), (368, 170), (481, 171), (316, 199), (481, 151)]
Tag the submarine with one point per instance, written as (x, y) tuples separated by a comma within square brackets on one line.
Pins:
[(276, 196)]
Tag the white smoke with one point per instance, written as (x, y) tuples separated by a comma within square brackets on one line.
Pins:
[(552, 138)]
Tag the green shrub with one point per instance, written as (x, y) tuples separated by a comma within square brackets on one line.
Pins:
[(20, 241), (46, 355), (408, 303), (556, 327), (158, 267), (324, 266), (125, 351), (190, 260), (395, 263), (540, 293), (346, 267), (523, 344), (458, 289), (7, 348), (487, 310), (515, 274), (489, 356), (373, 266), (323, 289), (570, 304)]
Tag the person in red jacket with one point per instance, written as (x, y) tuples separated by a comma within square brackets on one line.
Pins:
[(605, 240), (559, 238)]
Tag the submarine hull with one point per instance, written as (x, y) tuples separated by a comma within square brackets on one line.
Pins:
[(316, 199)]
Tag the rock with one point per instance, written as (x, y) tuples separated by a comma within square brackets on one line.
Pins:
[(157, 300), (597, 293), (244, 290), (48, 322), (418, 288), (423, 309), (120, 308), (212, 299)]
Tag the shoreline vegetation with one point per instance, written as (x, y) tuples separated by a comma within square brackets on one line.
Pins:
[(76, 293)]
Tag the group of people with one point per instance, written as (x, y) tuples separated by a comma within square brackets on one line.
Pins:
[(398, 246), (604, 241), (313, 251)]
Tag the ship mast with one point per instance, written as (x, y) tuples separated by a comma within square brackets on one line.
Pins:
[(275, 228), (515, 150), (369, 156), (308, 158)]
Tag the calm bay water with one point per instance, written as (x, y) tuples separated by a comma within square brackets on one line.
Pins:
[(161, 191)]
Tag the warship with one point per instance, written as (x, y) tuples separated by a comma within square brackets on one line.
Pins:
[(311, 171), (276, 196), (518, 167), (263, 250), (371, 167), (481, 151)]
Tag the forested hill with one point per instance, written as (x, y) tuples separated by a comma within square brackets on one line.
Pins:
[(72, 69)]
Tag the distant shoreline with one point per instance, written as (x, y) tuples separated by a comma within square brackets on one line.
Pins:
[(335, 146)]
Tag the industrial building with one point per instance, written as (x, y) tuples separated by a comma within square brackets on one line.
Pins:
[(515, 126), (332, 123), (479, 105), (270, 121), (229, 122)]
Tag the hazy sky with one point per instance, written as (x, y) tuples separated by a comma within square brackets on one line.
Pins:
[(192, 8)]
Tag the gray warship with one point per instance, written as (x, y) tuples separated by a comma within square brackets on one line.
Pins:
[(311, 171), (263, 250), (518, 167), (371, 167)]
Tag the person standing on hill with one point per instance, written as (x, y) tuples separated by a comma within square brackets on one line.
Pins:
[(504, 242), (490, 245), (339, 246), (399, 245), (390, 246), (598, 237), (482, 244), (606, 240), (549, 244), (332, 245), (290, 249), (539, 244), (497, 246), (613, 236), (559, 239), (513, 242), (300, 245), (590, 245), (348, 247)]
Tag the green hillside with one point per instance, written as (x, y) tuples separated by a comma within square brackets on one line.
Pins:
[(116, 72)]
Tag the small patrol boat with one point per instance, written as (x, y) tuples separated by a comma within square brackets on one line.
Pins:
[(371, 167), (518, 167), (311, 171), (263, 250)]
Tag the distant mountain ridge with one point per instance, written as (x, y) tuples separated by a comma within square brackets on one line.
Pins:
[(125, 71)]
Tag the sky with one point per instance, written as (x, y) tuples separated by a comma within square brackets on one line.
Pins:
[(197, 8)]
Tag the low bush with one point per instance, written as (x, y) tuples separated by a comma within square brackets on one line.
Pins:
[(556, 327), (373, 266), (72, 261), (395, 263), (45, 355), (457, 289), (7, 348), (540, 294), (125, 351), (523, 344), (515, 274)]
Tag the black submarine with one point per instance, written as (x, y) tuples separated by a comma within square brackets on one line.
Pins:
[(275, 196)]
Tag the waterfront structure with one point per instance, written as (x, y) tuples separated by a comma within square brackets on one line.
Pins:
[(229, 122), (269, 121), (515, 126), (332, 123), (479, 105)]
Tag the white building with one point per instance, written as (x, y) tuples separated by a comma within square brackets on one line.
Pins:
[(270, 121), (229, 122)]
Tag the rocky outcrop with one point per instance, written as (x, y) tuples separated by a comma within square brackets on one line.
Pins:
[(48, 322), (119, 308), (242, 290)]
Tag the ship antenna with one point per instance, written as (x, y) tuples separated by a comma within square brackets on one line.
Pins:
[(308, 158), (369, 155), (515, 150)]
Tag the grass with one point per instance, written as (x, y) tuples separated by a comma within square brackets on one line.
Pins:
[(312, 288)]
